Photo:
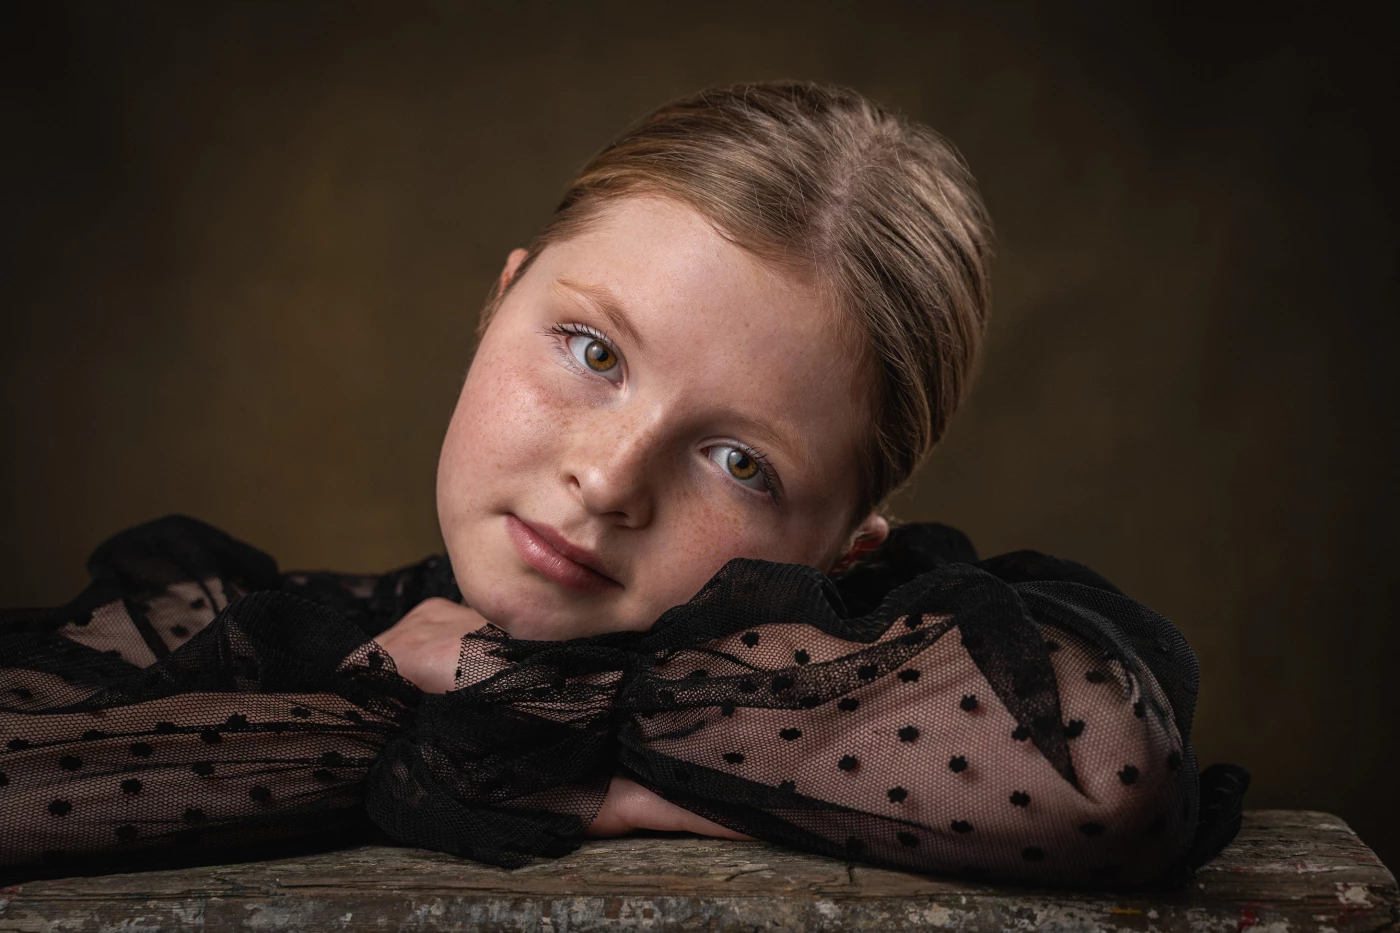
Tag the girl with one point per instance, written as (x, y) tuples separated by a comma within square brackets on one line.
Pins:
[(672, 596)]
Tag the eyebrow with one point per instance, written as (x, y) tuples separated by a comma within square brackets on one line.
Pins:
[(605, 303), (603, 300)]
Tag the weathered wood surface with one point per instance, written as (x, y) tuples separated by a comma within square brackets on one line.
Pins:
[(1289, 870)]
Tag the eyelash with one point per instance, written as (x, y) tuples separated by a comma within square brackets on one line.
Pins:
[(583, 330), (770, 475)]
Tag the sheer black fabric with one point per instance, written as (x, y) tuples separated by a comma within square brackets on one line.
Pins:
[(1015, 719)]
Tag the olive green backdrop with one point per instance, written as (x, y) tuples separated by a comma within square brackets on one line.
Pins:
[(244, 246)]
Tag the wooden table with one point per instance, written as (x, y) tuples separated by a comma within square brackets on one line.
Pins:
[(1288, 870)]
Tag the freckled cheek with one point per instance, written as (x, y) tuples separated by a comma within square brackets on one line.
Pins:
[(503, 428), (706, 533)]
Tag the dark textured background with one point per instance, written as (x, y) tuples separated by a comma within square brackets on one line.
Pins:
[(244, 246)]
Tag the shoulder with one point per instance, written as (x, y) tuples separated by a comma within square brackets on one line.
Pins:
[(915, 548)]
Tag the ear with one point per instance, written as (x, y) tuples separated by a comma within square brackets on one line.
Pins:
[(870, 534), (513, 261)]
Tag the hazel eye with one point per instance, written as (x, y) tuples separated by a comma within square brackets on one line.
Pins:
[(739, 464), (593, 353)]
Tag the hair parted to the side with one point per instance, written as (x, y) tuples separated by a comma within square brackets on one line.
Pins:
[(879, 211)]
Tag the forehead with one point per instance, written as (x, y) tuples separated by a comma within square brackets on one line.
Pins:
[(721, 329)]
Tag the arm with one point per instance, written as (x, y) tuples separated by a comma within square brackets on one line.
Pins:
[(1032, 755), (237, 740), (159, 717), (948, 769)]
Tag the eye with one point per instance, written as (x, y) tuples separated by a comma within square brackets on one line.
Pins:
[(745, 466), (591, 349), (595, 354)]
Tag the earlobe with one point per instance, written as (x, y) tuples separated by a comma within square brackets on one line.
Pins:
[(513, 262)]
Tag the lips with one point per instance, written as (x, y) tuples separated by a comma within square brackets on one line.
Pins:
[(554, 558)]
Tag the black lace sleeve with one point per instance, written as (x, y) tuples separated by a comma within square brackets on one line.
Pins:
[(1015, 719), (1012, 719), (189, 704)]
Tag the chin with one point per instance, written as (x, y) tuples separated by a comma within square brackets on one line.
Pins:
[(528, 626), (540, 630), (509, 609), (545, 625)]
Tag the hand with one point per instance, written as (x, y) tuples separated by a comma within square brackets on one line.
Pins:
[(426, 647), (631, 806), (426, 643)]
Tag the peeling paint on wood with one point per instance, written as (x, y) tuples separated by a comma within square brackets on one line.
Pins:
[(1287, 871)]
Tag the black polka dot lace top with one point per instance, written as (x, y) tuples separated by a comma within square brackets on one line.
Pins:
[(1010, 720)]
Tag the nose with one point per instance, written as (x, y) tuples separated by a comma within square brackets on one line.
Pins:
[(610, 465)]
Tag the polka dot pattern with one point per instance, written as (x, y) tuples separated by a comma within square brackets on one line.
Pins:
[(1041, 822), (989, 742)]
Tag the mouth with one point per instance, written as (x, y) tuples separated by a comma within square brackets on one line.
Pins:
[(546, 552)]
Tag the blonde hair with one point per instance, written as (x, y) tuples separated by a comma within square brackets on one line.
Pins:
[(880, 211)]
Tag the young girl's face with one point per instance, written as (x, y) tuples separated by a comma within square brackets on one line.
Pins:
[(659, 400)]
